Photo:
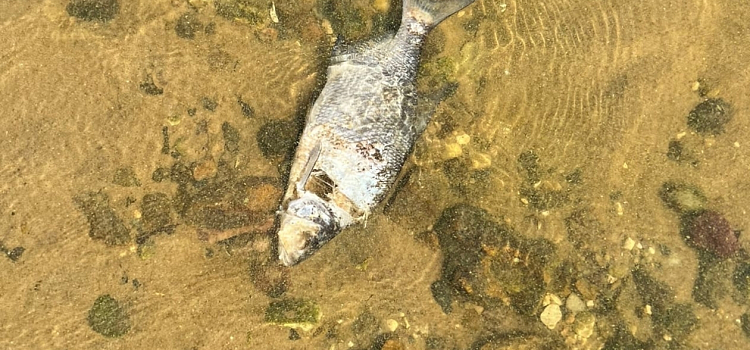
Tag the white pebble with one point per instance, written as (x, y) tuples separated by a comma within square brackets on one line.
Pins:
[(391, 324), (551, 316), (629, 244)]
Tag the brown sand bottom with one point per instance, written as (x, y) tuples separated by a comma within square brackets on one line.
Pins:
[(600, 90)]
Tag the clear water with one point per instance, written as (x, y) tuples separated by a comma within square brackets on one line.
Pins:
[(595, 90)]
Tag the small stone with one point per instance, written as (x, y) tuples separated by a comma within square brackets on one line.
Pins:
[(551, 299), (463, 139), (209, 104), (104, 224), (551, 316), (619, 209), (682, 198), (15, 253), (381, 5), (187, 25), (709, 231), (574, 303), (93, 10), (108, 318), (126, 177), (149, 87), (391, 324), (629, 244), (584, 325), (710, 116)]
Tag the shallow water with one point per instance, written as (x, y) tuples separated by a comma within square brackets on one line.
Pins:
[(560, 129)]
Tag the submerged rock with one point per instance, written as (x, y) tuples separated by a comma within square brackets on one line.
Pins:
[(93, 10), (487, 263), (710, 116), (104, 224), (682, 198), (126, 177), (108, 318), (708, 231)]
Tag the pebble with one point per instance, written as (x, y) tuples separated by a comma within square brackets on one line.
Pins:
[(574, 303), (463, 139), (629, 244), (584, 325), (391, 324), (551, 316)]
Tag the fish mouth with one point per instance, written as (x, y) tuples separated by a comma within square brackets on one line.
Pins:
[(300, 237)]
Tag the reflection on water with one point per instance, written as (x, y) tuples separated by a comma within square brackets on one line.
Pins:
[(584, 187)]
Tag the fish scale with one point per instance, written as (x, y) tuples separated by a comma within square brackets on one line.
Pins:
[(358, 133)]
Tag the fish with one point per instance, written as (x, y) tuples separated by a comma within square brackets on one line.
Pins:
[(358, 133)]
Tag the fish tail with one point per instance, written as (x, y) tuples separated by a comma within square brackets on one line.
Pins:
[(432, 12)]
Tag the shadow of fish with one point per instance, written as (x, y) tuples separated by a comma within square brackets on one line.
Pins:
[(358, 133)]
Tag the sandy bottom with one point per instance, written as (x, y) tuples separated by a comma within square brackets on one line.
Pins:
[(142, 157)]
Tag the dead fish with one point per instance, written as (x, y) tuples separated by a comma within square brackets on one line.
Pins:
[(358, 133)]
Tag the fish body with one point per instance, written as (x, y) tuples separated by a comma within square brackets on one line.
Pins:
[(358, 133)]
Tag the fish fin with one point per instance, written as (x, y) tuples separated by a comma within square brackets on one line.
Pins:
[(427, 104), (432, 12), (312, 158), (401, 181)]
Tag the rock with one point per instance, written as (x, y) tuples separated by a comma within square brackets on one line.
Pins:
[(708, 231), (391, 324), (108, 318), (231, 138), (125, 177), (682, 198), (104, 224), (187, 25), (584, 325), (710, 116), (93, 10), (551, 316), (574, 303), (486, 262)]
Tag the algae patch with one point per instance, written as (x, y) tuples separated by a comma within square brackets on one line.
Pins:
[(294, 313)]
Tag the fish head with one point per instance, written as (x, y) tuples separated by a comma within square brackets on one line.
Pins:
[(305, 226)]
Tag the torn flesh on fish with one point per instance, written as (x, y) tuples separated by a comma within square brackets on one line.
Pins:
[(358, 133)]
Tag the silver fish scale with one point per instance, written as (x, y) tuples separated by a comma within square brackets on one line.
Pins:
[(369, 102)]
